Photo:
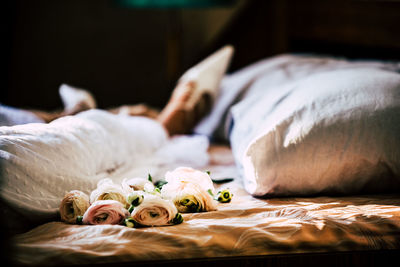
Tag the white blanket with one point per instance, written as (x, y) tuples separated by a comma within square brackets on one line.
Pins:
[(41, 162)]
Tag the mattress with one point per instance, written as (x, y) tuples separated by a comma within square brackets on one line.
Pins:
[(247, 226)]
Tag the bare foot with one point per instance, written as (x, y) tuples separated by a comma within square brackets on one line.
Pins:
[(75, 100)]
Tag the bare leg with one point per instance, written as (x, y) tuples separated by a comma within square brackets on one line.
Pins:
[(177, 117), (136, 110), (50, 116), (75, 100), (192, 99)]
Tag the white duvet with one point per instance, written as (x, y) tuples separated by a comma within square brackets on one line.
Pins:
[(41, 162)]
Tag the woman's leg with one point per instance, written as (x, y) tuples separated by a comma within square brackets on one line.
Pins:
[(176, 117), (179, 118), (75, 100)]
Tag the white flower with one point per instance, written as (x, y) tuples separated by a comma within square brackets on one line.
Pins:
[(107, 190), (189, 190), (137, 184), (74, 204), (184, 175), (154, 211), (193, 198)]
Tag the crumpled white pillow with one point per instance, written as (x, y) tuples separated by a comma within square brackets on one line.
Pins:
[(336, 132)]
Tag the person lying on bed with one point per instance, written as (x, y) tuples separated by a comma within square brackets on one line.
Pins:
[(297, 124), (191, 100), (40, 162)]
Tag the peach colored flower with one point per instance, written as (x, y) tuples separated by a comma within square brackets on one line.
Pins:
[(190, 190), (108, 190), (154, 211), (74, 204)]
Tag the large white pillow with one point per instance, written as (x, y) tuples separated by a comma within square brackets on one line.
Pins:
[(332, 132)]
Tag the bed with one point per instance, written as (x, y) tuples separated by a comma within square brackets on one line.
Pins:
[(340, 203), (314, 228), (341, 230)]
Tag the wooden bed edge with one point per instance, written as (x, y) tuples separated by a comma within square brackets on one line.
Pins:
[(338, 258)]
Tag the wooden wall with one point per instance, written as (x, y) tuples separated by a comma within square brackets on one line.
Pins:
[(123, 55)]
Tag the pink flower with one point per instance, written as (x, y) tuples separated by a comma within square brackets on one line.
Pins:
[(105, 212)]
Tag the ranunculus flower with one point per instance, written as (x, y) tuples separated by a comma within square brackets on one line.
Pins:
[(190, 190), (155, 211), (74, 204), (107, 190), (105, 212), (193, 198), (136, 184)]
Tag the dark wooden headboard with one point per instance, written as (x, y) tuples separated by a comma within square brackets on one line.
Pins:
[(350, 28)]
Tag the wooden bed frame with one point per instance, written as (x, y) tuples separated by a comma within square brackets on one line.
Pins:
[(354, 258)]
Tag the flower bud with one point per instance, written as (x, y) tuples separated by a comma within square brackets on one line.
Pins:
[(130, 222), (224, 196), (178, 219), (79, 219), (135, 198)]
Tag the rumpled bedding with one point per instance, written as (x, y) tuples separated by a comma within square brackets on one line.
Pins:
[(246, 226), (40, 163)]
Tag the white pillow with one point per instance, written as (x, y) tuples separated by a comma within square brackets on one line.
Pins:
[(333, 132)]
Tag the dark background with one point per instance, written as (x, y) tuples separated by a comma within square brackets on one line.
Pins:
[(129, 55), (123, 55)]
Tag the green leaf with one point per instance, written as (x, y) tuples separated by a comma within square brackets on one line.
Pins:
[(178, 219), (131, 208), (160, 183), (222, 180), (79, 220), (130, 222), (210, 192)]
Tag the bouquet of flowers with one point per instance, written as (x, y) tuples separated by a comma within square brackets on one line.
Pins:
[(137, 202)]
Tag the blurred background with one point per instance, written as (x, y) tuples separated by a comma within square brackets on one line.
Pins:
[(128, 52), (123, 54)]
